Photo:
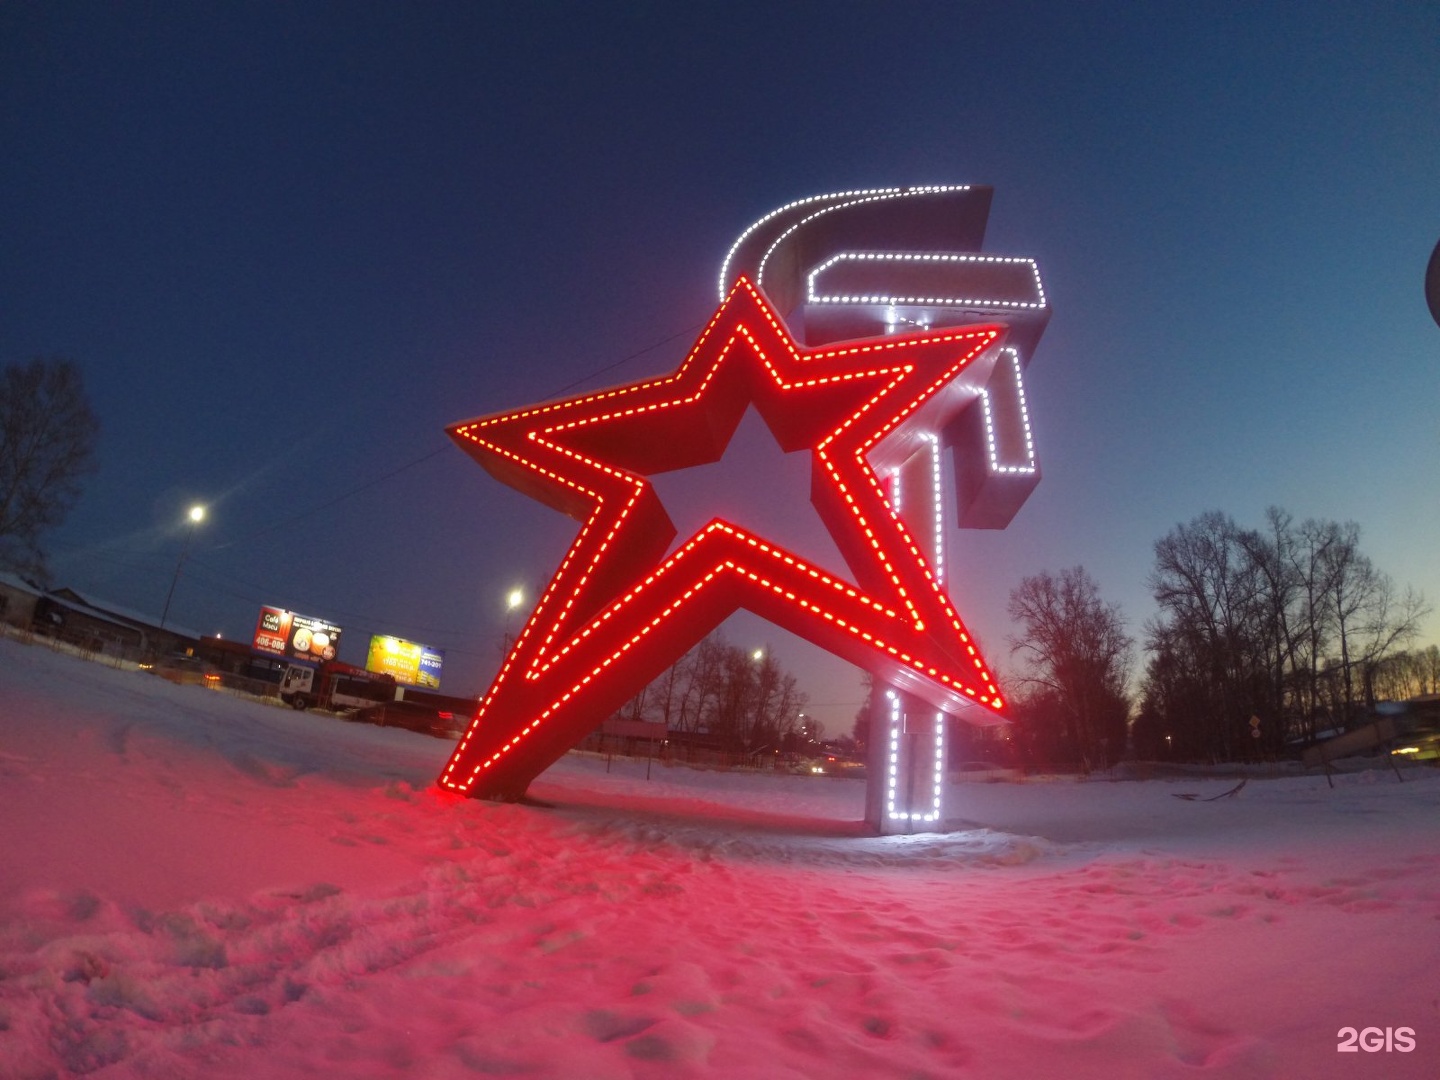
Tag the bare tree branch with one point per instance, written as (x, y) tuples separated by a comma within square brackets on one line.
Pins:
[(47, 445)]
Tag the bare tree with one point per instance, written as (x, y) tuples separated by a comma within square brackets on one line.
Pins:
[(1351, 580), (1389, 619), (1407, 674), (1310, 557), (1077, 654), (1211, 598), (47, 445), (860, 729), (1371, 620), (1271, 552), (1288, 625), (1427, 670), (699, 682), (748, 702)]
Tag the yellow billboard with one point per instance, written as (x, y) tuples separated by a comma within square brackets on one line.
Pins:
[(409, 663)]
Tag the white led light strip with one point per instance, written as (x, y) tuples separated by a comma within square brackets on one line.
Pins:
[(938, 502), (990, 440), (853, 198), (892, 779), (939, 506), (934, 815), (953, 301)]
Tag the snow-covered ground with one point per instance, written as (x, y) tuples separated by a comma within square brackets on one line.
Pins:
[(196, 885)]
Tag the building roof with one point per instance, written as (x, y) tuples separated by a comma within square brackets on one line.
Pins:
[(117, 613), (20, 584)]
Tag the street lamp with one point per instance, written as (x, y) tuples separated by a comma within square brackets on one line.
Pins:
[(196, 515), (513, 599)]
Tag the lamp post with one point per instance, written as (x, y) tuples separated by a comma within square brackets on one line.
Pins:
[(196, 515)]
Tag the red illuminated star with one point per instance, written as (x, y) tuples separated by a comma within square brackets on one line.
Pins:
[(618, 611)]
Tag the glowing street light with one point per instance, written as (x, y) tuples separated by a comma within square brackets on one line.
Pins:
[(196, 516), (513, 599)]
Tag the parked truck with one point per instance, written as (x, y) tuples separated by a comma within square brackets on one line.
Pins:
[(373, 698), (333, 685)]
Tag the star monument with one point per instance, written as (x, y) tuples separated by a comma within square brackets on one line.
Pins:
[(872, 412)]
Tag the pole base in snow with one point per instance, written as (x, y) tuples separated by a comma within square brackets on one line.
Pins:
[(905, 772)]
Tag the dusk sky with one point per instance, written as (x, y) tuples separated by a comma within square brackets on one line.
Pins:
[(289, 244)]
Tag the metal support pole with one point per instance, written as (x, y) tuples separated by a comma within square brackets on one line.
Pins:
[(184, 554), (905, 774)]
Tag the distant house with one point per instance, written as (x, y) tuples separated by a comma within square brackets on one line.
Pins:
[(102, 627), (18, 598)]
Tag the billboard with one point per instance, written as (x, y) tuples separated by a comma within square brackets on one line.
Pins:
[(300, 637), (410, 663)]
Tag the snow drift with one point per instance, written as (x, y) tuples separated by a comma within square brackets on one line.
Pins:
[(194, 884)]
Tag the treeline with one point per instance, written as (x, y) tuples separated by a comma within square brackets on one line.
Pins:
[(1265, 638), (1287, 630), (744, 700), (1290, 625), (1408, 674)]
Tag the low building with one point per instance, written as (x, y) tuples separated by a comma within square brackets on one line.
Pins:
[(18, 598), (100, 627)]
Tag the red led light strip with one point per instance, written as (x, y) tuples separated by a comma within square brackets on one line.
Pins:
[(618, 611)]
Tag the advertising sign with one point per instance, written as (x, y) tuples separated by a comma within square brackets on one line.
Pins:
[(410, 663), (300, 637)]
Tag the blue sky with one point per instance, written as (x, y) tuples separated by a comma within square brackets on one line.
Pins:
[(288, 245)]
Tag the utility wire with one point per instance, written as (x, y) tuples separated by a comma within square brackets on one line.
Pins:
[(375, 481), (293, 518), (627, 359)]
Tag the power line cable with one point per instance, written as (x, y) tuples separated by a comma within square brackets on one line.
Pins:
[(627, 359), (292, 519), (445, 632), (375, 481)]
